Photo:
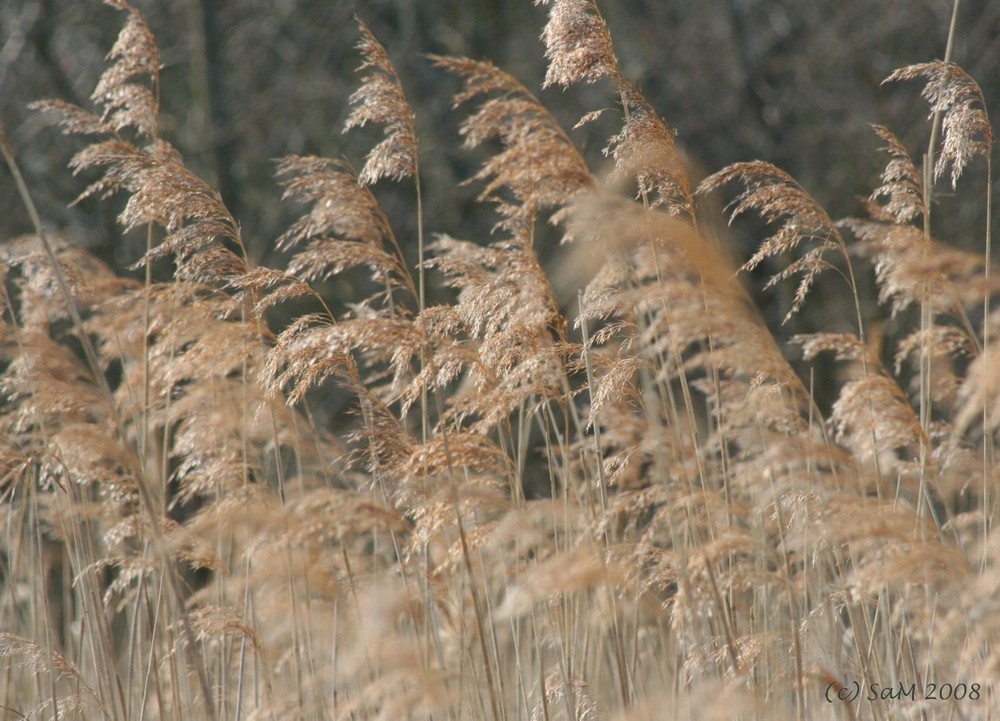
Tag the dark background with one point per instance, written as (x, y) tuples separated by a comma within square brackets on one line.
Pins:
[(246, 82)]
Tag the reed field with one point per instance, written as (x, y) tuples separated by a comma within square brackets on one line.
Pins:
[(567, 469)]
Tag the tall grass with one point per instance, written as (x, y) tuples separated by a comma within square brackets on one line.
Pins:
[(629, 508)]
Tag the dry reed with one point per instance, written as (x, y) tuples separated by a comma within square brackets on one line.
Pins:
[(630, 509)]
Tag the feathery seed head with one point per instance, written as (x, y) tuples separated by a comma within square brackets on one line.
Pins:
[(952, 92), (381, 100)]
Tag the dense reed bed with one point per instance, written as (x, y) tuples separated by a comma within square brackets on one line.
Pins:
[(227, 495)]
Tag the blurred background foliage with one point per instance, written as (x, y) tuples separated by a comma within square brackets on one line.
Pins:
[(246, 82)]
